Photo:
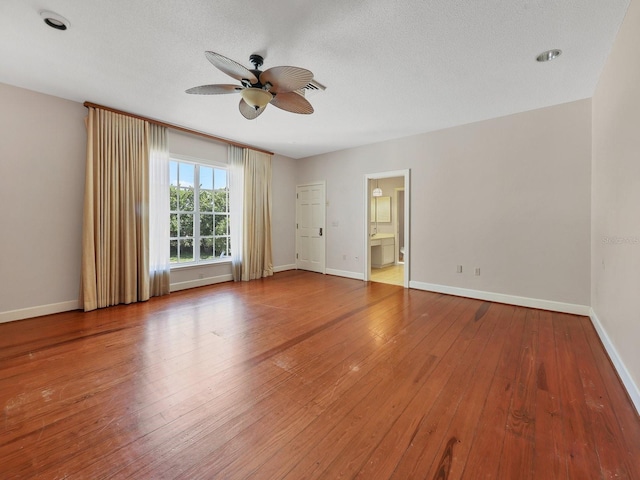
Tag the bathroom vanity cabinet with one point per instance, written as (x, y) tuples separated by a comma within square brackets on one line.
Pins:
[(382, 250)]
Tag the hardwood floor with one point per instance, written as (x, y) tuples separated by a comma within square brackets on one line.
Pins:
[(310, 376)]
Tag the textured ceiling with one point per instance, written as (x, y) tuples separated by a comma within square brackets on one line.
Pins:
[(392, 68)]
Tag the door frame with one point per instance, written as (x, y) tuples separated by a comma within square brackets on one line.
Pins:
[(396, 193), (324, 226), (367, 220)]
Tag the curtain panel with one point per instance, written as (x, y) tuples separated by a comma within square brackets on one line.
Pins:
[(115, 238), (250, 202)]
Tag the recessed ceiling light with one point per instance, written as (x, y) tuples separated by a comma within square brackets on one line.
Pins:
[(54, 20), (548, 55)]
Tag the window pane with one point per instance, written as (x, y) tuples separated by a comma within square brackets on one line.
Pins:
[(220, 179), (173, 173), (186, 225), (220, 200), (186, 199), (206, 200), (206, 225), (206, 178), (206, 248), (221, 247), (186, 250), (202, 234), (173, 225), (187, 174), (221, 225), (173, 198), (173, 251)]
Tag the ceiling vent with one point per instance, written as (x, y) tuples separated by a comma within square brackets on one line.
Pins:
[(313, 85)]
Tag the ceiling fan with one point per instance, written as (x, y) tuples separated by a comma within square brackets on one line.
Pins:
[(282, 87)]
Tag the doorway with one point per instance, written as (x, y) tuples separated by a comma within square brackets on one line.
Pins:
[(387, 227)]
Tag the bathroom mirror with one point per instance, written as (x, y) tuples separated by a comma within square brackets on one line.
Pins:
[(381, 209)]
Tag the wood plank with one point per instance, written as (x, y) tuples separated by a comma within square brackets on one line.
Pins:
[(486, 451), (384, 459), (620, 402), (517, 450), (550, 452), (348, 435), (614, 460), (336, 408), (449, 384), (582, 461)]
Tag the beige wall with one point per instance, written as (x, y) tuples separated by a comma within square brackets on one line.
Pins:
[(42, 156), (284, 212), (615, 260), (509, 195)]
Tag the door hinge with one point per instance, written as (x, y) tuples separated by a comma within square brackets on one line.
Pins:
[(297, 196), (296, 226), (296, 255)]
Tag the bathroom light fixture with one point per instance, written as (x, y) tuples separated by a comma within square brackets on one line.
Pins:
[(548, 55), (377, 192), (54, 20)]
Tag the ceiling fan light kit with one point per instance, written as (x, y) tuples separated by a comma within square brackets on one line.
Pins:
[(282, 87), (256, 97)]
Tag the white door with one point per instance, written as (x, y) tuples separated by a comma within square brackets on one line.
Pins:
[(310, 227)]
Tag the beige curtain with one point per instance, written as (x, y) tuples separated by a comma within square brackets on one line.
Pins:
[(116, 224), (256, 259)]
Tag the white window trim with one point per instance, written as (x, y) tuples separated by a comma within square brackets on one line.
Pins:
[(196, 201)]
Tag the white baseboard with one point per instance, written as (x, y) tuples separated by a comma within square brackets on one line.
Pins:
[(623, 373), (345, 273), (201, 282), (502, 298), (284, 268), (38, 311)]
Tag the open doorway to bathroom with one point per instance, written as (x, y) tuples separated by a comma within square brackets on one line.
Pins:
[(387, 232)]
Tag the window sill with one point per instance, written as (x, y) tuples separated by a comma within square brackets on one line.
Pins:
[(185, 266)]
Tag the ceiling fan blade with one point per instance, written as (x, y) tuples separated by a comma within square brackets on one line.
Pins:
[(248, 111), (214, 89), (231, 68), (292, 102), (286, 79)]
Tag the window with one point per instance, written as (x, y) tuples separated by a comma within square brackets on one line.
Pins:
[(199, 213)]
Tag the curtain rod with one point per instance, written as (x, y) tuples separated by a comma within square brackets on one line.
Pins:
[(176, 127)]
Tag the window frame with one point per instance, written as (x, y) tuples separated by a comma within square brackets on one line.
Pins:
[(196, 236)]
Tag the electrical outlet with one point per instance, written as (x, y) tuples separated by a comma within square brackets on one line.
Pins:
[(477, 270), (459, 269)]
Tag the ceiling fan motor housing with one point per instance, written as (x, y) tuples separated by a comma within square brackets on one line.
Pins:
[(257, 60)]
